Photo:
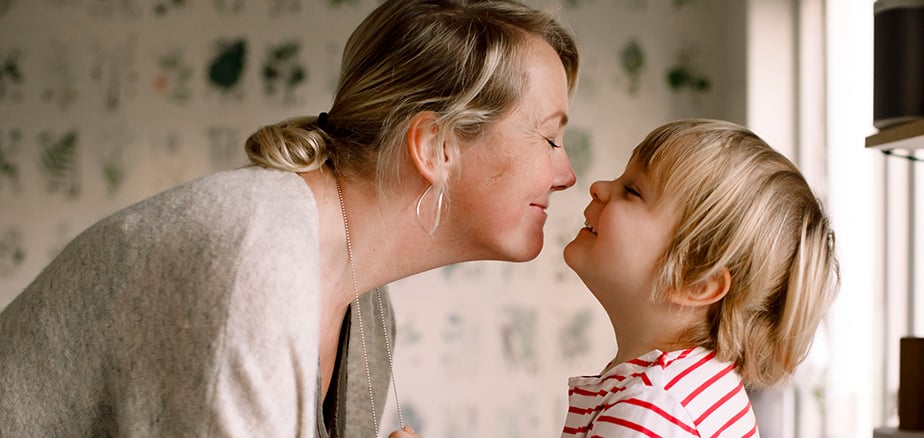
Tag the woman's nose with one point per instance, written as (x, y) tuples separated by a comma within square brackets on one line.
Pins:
[(564, 174)]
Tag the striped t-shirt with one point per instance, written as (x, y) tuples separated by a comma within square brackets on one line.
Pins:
[(684, 393)]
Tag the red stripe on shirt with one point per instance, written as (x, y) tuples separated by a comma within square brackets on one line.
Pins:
[(641, 363), (682, 355), (651, 407), (574, 430), (720, 402), (628, 425), (587, 393), (644, 378), (707, 384), (689, 370), (733, 420)]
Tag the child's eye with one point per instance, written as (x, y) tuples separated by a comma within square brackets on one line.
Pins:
[(632, 191), (552, 143)]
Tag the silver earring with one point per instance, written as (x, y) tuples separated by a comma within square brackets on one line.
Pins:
[(439, 210)]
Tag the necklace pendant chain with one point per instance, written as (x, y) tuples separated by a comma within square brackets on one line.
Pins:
[(359, 317)]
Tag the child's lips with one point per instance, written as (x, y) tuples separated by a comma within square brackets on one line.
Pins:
[(590, 228)]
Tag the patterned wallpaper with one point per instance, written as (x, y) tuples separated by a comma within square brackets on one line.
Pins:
[(105, 102)]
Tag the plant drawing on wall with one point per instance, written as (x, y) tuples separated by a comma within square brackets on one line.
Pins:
[(59, 84), (682, 75), (224, 147), (58, 162), (172, 79), (114, 8), (574, 338), (5, 6), (9, 168), (632, 60), (12, 251), (580, 152), (11, 77), (228, 6), (162, 7), (518, 335), (113, 71), (226, 69), (283, 71), (284, 7)]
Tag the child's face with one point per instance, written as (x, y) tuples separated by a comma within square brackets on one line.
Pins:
[(626, 231)]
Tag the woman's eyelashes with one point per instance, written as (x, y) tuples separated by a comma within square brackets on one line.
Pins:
[(552, 143)]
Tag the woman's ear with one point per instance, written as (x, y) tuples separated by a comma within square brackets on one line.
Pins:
[(706, 293), (424, 148)]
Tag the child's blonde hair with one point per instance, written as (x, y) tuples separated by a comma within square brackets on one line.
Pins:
[(744, 207)]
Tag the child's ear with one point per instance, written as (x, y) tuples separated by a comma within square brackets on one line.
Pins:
[(429, 158), (706, 293)]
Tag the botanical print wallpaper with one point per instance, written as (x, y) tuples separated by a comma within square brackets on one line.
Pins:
[(106, 102)]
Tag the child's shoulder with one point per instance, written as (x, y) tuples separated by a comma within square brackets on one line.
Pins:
[(690, 389)]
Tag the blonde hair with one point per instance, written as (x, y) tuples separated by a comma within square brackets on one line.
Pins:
[(744, 207), (461, 59)]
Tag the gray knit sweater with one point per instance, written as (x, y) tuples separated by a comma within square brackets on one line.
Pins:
[(192, 313)]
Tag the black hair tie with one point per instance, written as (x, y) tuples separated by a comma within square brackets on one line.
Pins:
[(322, 122)]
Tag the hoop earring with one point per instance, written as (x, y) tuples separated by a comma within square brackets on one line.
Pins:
[(439, 210)]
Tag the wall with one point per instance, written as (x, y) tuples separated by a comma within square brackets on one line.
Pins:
[(105, 102)]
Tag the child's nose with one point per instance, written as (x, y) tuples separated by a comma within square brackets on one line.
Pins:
[(600, 190)]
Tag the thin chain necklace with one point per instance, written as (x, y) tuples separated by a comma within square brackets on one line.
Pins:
[(362, 332)]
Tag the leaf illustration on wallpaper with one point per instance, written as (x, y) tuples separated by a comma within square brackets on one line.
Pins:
[(64, 3), (113, 71), (284, 7), (459, 336), (632, 60), (114, 8), (283, 71), (574, 338), (12, 251), (518, 338), (683, 75), (580, 152), (173, 77), (226, 68), (11, 76), (163, 7), (5, 6), (228, 6), (58, 162), (111, 144), (225, 148), (58, 79), (9, 168)]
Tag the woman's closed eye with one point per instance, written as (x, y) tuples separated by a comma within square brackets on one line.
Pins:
[(552, 143)]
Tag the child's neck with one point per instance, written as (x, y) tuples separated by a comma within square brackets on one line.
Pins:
[(626, 354), (636, 336)]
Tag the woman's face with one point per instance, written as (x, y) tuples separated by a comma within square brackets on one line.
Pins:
[(499, 200), (627, 231)]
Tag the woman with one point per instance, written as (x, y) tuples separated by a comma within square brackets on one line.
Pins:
[(223, 306)]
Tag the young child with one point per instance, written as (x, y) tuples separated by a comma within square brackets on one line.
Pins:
[(715, 263)]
